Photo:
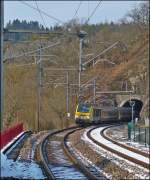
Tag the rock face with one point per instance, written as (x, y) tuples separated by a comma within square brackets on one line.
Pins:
[(146, 109), (140, 85)]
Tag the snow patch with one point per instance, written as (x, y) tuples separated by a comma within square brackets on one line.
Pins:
[(97, 136), (141, 146), (21, 170), (125, 164)]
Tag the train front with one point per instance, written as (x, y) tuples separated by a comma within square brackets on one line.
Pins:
[(83, 114)]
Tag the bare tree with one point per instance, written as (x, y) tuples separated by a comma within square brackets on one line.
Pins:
[(140, 14)]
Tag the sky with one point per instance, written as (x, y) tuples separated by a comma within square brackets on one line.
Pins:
[(65, 10)]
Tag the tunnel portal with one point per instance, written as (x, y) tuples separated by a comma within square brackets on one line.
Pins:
[(137, 107)]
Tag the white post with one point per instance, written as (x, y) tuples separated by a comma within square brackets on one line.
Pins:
[(132, 114), (132, 103)]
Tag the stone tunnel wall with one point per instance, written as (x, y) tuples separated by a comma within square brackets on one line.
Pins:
[(144, 113)]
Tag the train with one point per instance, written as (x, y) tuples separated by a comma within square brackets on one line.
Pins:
[(90, 114)]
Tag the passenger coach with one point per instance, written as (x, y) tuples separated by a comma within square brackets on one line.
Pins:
[(88, 114)]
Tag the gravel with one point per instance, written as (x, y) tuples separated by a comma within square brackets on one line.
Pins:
[(106, 162)]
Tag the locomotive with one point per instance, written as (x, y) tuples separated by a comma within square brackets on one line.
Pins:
[(90, 114)]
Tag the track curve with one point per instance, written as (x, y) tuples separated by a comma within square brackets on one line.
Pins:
[(60, 163), (117, 149), (89, 171), (123, 145)]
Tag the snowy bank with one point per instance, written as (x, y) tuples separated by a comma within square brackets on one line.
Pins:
[(21, 170)]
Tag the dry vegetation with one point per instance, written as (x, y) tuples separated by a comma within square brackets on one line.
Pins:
[(21, 81)]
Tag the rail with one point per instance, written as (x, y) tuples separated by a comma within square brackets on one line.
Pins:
[(77, 162), (44, 157), (123, 145), (123, 155)]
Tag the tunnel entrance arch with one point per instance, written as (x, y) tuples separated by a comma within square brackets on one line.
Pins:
[(137, 107)]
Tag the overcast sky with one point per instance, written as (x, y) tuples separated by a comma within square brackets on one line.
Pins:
[(65, 10)]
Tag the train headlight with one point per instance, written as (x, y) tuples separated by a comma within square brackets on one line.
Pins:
[(76, 116), (84, 117)]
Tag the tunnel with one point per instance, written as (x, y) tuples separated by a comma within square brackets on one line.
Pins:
[(137, 107)]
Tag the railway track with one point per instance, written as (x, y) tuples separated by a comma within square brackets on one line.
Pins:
[(126, 152), (59, 161), (123, 145), (88, 169)]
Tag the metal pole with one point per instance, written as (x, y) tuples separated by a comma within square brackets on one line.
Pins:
[(1, 61), (132, 114), (94, 89), (139, 135), (145, 136), (134, 132), (133, 122), (67, 97), (80, 63), (39, 87), (126, 86), (67, 100)]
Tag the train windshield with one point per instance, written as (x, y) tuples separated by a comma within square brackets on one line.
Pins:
[(83, 108)]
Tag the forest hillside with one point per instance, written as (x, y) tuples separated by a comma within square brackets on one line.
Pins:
[(126, 63)]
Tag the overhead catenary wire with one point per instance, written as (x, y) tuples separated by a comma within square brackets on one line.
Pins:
[(31, 52), (93, 12), (43, 12), (42, 18), (79, 5), (104, 51), (22, 65)]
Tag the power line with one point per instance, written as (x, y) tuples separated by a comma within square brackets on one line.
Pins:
[(93, 12), (22, 65), (31, 52), (61, 69), (40, 13), (77, 9), (43, 12), (104, 51), (114, 92), (31, 31)]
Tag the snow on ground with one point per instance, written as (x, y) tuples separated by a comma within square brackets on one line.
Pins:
[(21, 170), (139, 171), (140, 146), (97, 136), (124, 140)]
